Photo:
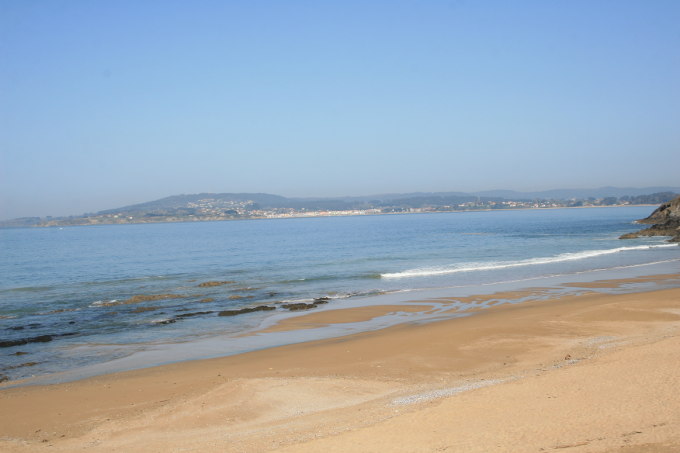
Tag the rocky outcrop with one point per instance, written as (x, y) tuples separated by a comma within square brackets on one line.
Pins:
[(665, 221)]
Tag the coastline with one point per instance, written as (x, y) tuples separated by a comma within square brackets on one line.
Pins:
[(112, 300), (353, 315), (597, 371), (301, 216)]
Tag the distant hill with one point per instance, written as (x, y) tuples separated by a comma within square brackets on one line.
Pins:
[(182, 201), (268, 201)]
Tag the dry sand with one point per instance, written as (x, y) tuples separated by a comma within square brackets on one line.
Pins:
[(589, 373)]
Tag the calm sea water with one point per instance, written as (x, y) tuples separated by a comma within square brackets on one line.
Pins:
[(78, 285)]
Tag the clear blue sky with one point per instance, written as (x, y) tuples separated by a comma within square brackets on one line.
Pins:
[(108, 103)]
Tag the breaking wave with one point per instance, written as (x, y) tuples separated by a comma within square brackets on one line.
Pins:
[(493, 265)]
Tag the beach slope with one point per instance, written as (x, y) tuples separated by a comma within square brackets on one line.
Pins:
[(588, 373)]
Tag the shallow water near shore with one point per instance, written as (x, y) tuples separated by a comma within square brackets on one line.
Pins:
[(120, 297)]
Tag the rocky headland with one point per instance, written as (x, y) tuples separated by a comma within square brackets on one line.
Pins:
[(665, 221)]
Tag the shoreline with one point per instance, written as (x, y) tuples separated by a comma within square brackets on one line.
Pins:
[(338, 394), (418, 305), (323, 216)]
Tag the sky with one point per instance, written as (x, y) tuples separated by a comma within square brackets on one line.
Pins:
[(109, 103)]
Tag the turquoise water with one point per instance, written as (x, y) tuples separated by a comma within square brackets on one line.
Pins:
[(74, 284)]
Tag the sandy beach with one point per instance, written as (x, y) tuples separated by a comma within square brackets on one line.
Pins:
[(593, 372)]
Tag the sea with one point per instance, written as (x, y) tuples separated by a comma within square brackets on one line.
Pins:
[(85, 300)]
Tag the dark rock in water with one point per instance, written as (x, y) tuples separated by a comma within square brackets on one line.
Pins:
[(22, 341), (197, 313), (165, 321), (211, 284), (245, 310), (3, 378), (231, 312), (38, 339), (145, 309), (304, 306), (146, 298), (140, 298), (33, 325), (18, 353), (41, 339), (299, 306), (665, 221), (27, 364)]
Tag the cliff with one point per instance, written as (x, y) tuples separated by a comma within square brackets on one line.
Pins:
[(665, 221)]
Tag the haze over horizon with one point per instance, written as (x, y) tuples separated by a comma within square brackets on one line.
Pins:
[(107, 104)]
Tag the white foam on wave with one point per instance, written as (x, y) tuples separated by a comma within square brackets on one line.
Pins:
[(104, 303), (493, 265)]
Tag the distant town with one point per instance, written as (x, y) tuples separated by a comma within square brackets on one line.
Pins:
[(217, 207)]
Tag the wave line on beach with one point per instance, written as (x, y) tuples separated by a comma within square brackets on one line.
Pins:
[(472, 267), (446, 392)]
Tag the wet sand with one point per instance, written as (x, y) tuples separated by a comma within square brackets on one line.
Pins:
[(342, 316), (587, 373)]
